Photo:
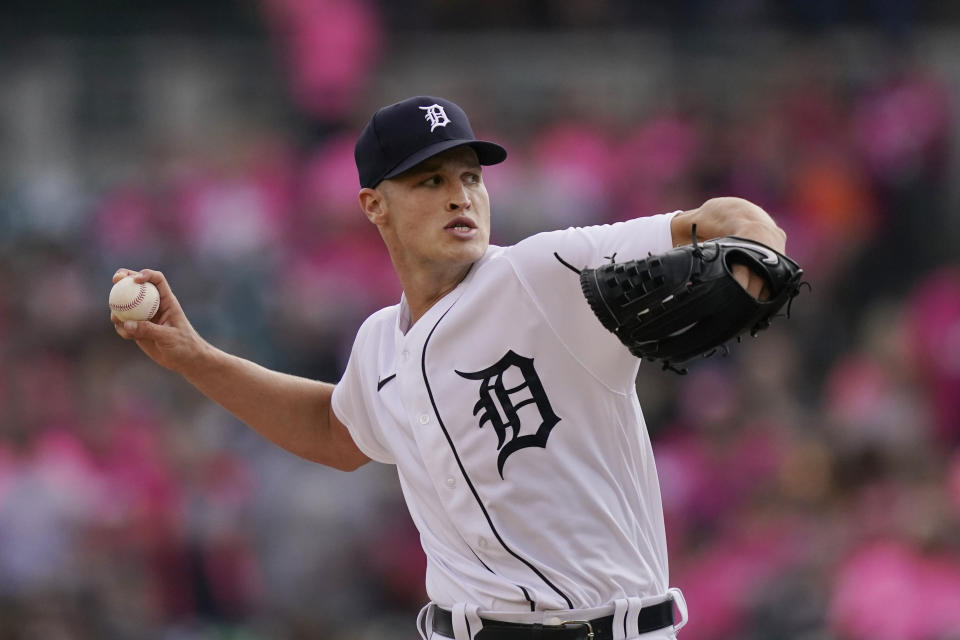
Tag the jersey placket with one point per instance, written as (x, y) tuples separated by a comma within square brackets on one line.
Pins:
[(426, 429)]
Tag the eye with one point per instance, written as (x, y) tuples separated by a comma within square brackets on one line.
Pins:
[(432, 181), (471, 178)]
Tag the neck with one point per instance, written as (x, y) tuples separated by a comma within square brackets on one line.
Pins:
[(423, 289)]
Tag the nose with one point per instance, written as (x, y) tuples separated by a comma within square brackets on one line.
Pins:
[(459, 198)]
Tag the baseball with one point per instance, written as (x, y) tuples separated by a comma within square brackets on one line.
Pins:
[(131, 300)]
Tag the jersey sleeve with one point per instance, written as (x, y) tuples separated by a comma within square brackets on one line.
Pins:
[(556, 289), (351, 405), (629, 240)]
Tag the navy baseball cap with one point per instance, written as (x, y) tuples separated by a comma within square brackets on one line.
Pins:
[(404, 134)]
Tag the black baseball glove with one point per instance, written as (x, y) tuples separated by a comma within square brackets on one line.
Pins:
[(685, 302)]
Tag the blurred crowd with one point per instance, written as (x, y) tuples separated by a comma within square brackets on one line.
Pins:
[(811, 478)]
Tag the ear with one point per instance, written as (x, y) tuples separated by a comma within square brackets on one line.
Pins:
[(374, 205)]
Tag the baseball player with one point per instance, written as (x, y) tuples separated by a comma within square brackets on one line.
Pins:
[(509, 411)]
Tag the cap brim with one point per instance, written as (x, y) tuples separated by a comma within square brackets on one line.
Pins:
[(487, 153)]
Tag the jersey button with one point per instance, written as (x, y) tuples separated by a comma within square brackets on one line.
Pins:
[(424, 418), (451, 482), (404, 355), (482, 543)]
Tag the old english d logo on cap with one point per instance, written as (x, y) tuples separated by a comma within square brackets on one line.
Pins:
[(436, 116), (404, 134)]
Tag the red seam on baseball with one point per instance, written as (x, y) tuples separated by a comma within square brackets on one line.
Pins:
[(154, 307), (137, 300)]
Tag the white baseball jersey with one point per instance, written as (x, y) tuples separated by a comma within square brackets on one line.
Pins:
[(512, 417)]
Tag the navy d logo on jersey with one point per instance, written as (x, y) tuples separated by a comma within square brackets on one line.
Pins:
[(500, 404)]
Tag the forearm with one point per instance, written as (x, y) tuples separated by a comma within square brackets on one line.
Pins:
[(728, 217), (290, 411)]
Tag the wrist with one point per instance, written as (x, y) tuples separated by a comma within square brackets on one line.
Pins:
[(202, 358)]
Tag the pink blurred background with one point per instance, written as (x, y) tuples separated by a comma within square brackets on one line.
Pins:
[(811, 479)]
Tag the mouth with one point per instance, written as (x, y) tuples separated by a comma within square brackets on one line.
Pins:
[(462, 228), (462, 224)]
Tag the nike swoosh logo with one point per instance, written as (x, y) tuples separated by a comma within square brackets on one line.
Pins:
[(770, 256), (384, 381)]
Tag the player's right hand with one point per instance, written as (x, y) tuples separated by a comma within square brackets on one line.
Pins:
[(168, 339)]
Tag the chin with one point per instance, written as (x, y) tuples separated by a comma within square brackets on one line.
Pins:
[(476, 249)]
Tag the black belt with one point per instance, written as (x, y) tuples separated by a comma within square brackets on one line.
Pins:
[(651, 618)]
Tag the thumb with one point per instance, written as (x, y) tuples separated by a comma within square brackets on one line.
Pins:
[(742, 275), (144, 329)]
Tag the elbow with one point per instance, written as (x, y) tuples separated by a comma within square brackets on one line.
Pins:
[(338, 463), (740, 217), (341, 458), (349, 464), (736, 209)]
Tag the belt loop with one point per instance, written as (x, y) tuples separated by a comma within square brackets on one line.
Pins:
[(425, 621), (620, 607), (634, 605), (681, 606), (466, 621), (473, 617)]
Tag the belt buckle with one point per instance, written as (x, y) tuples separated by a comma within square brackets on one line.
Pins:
[(585, 623)]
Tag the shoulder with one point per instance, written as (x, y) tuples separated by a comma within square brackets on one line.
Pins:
[(590, 246), (570, 238), (381, 316), (493, 254), (487, 265), (372, 342), (573, 242), (540, 241), (378, 323)]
